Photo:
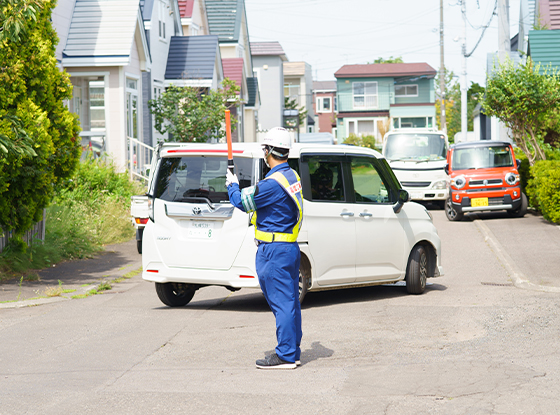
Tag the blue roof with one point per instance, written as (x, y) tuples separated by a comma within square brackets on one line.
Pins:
[(224, 19), (191, 57)]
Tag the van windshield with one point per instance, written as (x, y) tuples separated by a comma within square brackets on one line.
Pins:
[(418, 147), (199, 178), (481, 157)]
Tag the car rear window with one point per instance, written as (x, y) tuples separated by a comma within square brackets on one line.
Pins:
[(481, 157), (195, 178)]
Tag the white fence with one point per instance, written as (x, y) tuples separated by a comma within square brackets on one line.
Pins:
[(139, 159), (36, 232)]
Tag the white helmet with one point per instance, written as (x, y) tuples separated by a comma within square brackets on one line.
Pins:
[(278, 137)]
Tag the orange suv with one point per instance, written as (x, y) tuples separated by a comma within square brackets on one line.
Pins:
[(483, 176)]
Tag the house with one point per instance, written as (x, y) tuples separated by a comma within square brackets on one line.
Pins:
[(227, 20), (103, 46), (268, 59), (298, 86), (193, 17), (161, 22), (325, 106), (371, 96)]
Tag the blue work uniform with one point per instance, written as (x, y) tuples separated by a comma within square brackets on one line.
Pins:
[(277, 262)]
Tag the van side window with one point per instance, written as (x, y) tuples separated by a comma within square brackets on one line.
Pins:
[(368, 183), (326, 180)]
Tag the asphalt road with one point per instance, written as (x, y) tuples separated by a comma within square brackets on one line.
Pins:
[(473, 343)]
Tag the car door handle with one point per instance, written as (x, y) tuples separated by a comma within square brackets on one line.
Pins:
[(347, 214), (366, 214)]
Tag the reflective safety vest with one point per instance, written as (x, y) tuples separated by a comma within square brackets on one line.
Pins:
[(293, 189)]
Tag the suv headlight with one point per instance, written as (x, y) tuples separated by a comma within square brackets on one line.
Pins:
[(459, 182), (512, 178), (440, 184)]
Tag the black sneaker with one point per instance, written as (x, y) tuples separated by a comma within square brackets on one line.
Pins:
[(274, 362)]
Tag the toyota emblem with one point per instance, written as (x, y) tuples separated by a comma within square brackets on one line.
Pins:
[(196, 211)]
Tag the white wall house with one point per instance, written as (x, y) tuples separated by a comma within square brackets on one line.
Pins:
[(103, 47)]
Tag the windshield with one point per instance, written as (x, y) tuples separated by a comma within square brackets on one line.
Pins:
[(481, 157), (418, 147), (198, 178)]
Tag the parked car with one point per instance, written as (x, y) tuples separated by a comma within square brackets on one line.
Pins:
[(417, 156), (139, 216), (359, 227), (483, 177)]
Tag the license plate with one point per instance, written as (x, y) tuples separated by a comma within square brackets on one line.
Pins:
[(417, 196), (200, 229), (479, 202)]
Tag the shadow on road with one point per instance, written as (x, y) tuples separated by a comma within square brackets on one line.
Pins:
[(316, 352), (254, 301)]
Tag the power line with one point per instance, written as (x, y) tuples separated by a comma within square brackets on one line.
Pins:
[(483, 30)]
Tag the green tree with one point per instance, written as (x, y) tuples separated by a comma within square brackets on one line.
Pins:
[(42, 135), (398, 59), (452, 103), (521, 97), (291, 104), (193, 114)]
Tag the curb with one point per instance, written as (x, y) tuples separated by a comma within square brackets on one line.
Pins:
[(518, 278), (41, 301)]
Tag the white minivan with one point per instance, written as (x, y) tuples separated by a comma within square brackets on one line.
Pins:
[(359, 227), (418, 158)]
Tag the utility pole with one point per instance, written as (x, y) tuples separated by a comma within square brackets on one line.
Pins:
[(464, 124), (504, 47), (442, 71)]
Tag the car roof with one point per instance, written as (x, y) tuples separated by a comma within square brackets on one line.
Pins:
[(255, 149), (480, 143)]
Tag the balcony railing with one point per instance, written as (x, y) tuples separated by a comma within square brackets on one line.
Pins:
[(139, 159), (349, 102)]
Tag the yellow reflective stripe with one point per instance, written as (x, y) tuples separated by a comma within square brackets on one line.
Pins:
[(275, 236)]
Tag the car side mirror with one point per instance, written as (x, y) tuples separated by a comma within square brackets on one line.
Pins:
[(446, 168), (404, 197), (518, 162)]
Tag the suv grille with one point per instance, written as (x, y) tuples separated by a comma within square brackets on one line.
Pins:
[(490, 182), (416, 184)]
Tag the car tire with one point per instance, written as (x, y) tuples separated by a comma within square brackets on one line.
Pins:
[(303, 281), (521, 210), (139, 246), (174, 294), (452, 214), (417, 270)]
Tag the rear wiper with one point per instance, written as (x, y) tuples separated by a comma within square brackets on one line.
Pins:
[(196, 199)]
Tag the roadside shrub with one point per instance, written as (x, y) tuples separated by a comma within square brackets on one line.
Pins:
[(543, 189), (524, 169), (363, 141)]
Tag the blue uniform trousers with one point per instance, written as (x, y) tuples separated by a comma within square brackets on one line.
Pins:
[(277, 266)]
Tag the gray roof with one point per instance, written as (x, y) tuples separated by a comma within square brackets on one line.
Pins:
[(253, 90), (324, 85), (224, 19), (102, 28), (191, 57), (266, 48)]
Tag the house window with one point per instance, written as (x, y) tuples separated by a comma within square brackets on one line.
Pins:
[(292, 91), (97, 104), (323, 104), (406, 90), (335, 105), (162, 14), (132, 108), (365, 95)]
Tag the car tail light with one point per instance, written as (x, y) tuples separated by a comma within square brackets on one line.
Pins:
[(152, 270), (246, 276), (141, 221)]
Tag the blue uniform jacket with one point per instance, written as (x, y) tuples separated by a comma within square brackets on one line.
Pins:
[(276, 212)]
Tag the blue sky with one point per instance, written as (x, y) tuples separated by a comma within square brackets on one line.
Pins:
[(330, 33)]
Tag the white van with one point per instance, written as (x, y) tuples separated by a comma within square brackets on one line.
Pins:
[(418, 157), (358, 228)]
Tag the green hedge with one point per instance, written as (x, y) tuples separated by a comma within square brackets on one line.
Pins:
[(543, 189)]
